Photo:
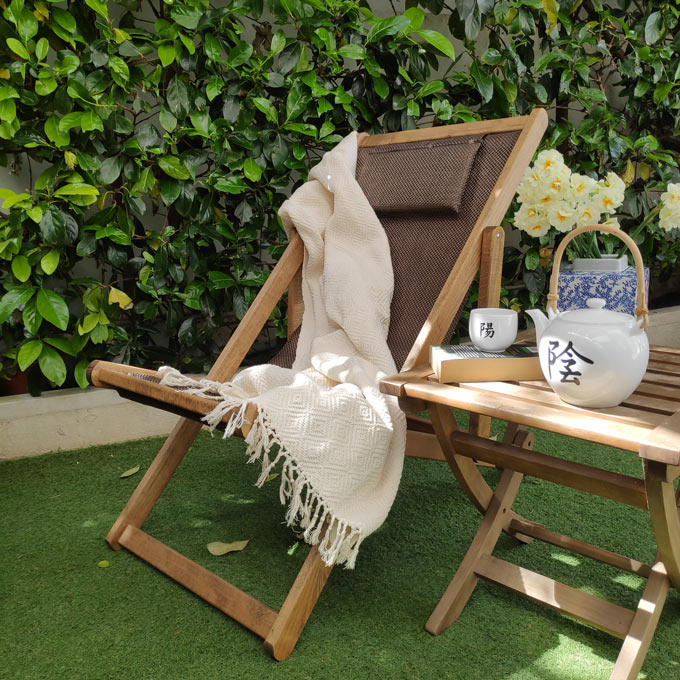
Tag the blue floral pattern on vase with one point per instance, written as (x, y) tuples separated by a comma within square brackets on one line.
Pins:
[(619, 289)]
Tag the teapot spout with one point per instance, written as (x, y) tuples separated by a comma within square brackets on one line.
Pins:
[(540, 320)]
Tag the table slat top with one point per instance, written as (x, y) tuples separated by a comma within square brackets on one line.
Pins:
[(648, 422)]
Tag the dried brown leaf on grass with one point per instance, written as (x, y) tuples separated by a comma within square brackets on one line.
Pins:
[(219, 548)]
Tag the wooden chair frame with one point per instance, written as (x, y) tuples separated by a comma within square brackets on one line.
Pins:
[(483, 253)]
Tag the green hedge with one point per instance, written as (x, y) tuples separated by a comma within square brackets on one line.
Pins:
[(159, 140)]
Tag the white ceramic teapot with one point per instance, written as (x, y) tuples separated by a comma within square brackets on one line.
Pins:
[(593, 357)]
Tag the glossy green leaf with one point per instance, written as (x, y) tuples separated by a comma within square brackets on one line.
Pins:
[(483, 81), (239, 54), (8, 110), (166, 53), (438, 41), (50, 261), (110, 170), (77, 189), (80, 373), (220, 280), (653, 28), (27, 26), (186, 16), (53, 308), (14, 298), (59, 137), (297, 100), (531, 259), (278, 42), (661, 92), (383, 28), (62, 344), (178, 97), (231, 185), (252, 170), (212, 47), (52, 365), (21, 268), (267, 108), (121, 72), (28, 353), (31, 317), (353, 51), (65, 19), (53, 226), (167, 120), (171, 166), (99, 6), (91, 121), (17, 48), (213, 88)]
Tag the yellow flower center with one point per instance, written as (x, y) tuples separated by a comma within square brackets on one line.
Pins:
[(548, 163), (537, 227), (607, 202), (531, 212), (546, 199)]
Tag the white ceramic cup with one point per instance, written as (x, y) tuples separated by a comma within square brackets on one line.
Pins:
[(493, 329)]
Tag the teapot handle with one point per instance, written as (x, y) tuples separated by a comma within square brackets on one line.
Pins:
[(641, 311)]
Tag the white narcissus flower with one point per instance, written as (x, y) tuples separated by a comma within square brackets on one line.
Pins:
[(588, 214), (611, 192), (583, 187), (550, 195), (559, 184), (532, 219), (549, 160), (562, 216), (530, 186), (669, 216)]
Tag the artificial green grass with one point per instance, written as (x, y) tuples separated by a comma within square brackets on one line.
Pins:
[(63, 616)]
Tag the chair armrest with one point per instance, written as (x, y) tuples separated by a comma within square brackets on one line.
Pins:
[(259, 311), (394, 384)]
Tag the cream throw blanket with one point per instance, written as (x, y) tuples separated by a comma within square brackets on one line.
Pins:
[(341, 441)]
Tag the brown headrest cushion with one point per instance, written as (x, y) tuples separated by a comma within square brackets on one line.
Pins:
[(408, 177)]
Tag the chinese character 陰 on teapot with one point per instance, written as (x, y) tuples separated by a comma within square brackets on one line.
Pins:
[(593, 357)]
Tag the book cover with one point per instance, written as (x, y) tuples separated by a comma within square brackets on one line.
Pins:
[(465, 363)]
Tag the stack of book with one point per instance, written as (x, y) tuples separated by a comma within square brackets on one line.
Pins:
[(465, 363)]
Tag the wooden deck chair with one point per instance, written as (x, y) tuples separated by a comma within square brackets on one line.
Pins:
[(439, 192)]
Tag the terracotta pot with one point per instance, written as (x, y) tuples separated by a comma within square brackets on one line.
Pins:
[(17, 384)]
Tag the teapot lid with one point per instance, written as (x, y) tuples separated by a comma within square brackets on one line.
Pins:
[(595, 313)]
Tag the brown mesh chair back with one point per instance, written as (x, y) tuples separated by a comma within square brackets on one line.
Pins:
[(430, 195)]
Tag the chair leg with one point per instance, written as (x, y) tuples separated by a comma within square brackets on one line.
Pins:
[(155, 480), (298, 606), (496, 519)]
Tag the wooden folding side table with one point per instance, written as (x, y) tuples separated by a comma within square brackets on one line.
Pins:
[(648, 423)]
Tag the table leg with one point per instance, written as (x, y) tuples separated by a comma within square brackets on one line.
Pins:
[(466, 472), (464, 469), (496, 519), (641, 631), (663, 513)]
